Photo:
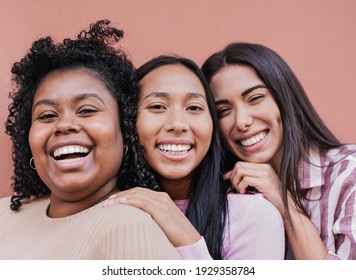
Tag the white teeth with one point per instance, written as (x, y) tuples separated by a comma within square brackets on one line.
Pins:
[(70, 160), (70, 150), (174, 149), (254, 139)]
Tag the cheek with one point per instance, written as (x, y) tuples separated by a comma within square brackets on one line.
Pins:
[(111, 137), (209, 130), (280, 129), (37, 138), (113, 149), (225, 127), (278, 122), (203, 130), (146, 127)]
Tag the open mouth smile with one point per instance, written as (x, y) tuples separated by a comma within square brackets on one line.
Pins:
[(254, 139), (174, 150), (71, 153)]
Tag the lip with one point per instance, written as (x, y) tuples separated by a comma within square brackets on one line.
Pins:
[(251, 134), (175, 142)]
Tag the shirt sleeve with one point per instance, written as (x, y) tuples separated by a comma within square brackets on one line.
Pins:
[(331, 256), (196, 251), (344, 228)]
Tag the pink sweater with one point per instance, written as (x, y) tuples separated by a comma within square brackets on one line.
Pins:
[(254, 231)]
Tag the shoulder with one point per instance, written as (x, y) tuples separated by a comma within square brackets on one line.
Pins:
[(254, 228), (251, 207), (5, 205), (5, 200), (341, 164), (27, 205), (120, 214), (248, 200), (344, 153)]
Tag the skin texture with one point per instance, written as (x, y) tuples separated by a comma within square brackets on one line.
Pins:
[(74, 108), (248, 113), (251, 126), (172, 111)]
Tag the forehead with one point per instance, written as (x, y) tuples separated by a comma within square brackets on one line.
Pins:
[(68, 83), (234, 77), (171, 78)]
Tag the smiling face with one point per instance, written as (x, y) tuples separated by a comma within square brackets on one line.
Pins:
[(173, 123), (75, 136), (249, 118)]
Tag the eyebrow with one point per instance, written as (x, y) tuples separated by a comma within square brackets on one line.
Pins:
[(165, 94), (77, 98), (247, 91), (244, 93)]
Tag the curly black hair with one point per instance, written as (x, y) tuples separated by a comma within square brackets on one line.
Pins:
[(93, 50)]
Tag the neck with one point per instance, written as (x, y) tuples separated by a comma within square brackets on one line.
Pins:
[(177, 189), (60, 207)]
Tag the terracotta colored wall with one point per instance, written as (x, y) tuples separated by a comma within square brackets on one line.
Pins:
[(316, 37)]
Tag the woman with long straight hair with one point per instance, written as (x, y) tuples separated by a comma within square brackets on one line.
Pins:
[(277, 145), (177, 128)]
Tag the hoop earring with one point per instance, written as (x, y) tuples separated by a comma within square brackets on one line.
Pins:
[(125, 153), (32, 164)]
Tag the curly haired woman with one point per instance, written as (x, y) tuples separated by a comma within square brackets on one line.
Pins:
[(71, 122)]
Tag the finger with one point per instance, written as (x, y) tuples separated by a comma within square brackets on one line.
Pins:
[(227, 175), (242, 186), (122, 196)]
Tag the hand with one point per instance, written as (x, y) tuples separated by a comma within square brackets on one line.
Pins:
[(262, 177), (160, 206)]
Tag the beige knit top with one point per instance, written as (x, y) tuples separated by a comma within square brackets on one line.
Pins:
[(112, 232)]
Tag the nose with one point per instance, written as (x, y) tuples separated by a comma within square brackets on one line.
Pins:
[(176, 122), (66, 123), (243, 119)]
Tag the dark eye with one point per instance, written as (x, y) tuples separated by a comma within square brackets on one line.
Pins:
[(224, 111), (195, 108), (47, 116), (156, 108), (256, 98), (87, 110)]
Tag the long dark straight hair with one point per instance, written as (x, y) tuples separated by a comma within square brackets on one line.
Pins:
[(302, 127), (207, 195)]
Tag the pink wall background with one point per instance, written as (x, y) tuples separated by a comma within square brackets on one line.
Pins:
[(316, 37)]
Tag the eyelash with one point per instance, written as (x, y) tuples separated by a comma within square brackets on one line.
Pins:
[(87, 110), (47, 116), (156, 107), (255, 97), (195, 108), (222, 111)]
